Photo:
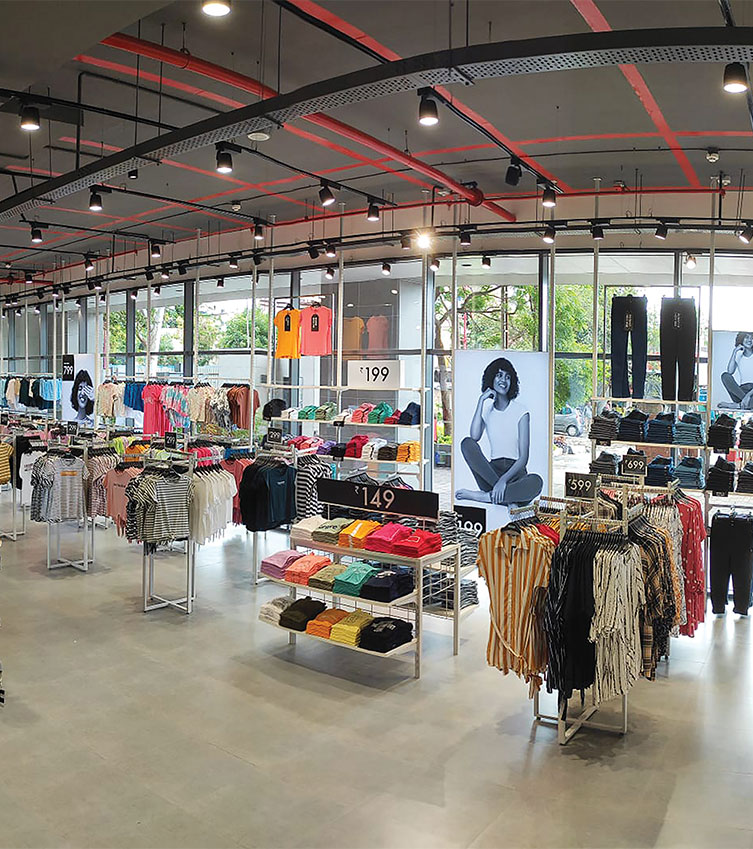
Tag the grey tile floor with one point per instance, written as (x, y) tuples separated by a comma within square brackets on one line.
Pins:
[(124, 729)]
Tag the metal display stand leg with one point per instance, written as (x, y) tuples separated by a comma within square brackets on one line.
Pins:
[(14, 533), (151, 600), (567, 729), (456, 607), (59, 562)]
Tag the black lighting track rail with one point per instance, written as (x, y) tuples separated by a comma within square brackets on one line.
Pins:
[(128, 234)]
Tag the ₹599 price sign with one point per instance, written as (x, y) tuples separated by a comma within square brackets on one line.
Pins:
[(580, 486)]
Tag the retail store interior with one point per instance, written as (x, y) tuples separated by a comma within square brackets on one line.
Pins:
[(376, 424)]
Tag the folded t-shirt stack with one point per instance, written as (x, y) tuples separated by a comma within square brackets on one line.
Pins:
[(388, 451), (304, 528), (338, 450), (605, 464), (746, 436), (325, 412), (361, 413), (371, 448), (353, 578), (690, 430), (388, 584), (276, 564), (661, 428), (689, 472), (660, 471), (348, 630), (326, 447), (355, 445), (408, 452), (745, 479), (722, 433), (354, 535), (304, 567), (721, 476), (270, 611), (300, 613), (632, 427), (379, 413), (604, 426), (383, 539), (322, 625), (411, 415), (385, 633), (418, 544), (329, 531), (324, 579)]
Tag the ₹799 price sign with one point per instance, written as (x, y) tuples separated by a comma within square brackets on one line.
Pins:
[(580, 486)]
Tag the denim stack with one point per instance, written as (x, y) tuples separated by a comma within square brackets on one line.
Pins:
[(722, 433), (689, 472), (746, 436), (605, 464), (745, 479), (690, 430), (721, 476), (661, 428), (632, 427), (604, 426), (660, 471)]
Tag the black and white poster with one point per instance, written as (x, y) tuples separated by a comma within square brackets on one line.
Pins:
[(732, 371), (78, 390), (501, 443)]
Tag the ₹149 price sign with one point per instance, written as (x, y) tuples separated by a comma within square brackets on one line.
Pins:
[(383, 374)]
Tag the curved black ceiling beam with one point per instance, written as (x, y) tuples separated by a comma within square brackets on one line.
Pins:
[(463, 65)]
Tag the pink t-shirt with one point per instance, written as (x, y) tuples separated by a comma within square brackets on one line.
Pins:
[(378, 327), (316, 331)]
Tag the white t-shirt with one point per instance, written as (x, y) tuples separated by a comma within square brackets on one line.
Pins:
[(745, 368), (502, 429)]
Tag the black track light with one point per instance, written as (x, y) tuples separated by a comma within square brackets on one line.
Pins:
[(79, 302), (373, 213), (133, 174), (157, 289), (149, 274), (550, 234), (36, 235), (224, 161), (386, 269), (40, 294), (514, 172), (19, 311), (486, 261), (326, 198), (37, 309), (549, 198), (258, 258), (428, 114), (661, 231), (29, 118), (154, 250), (95, 201), (55, 293), (215, 8), (97, 284), (735, 78), (746, 234), (90, 285), (313, 252), (233, 263), (329, 273), (434, 264), (258, 232), (405, 241), (165, 272), (597, 232), (465, 237), (133, 294), (220, 282), (182, 269), (330, 250), (103, 298), (66, 289), (29, 279), (88, 263)]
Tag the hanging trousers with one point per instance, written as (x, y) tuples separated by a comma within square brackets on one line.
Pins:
[(678, 330), (731, 556), (629, 318), (521, 490)]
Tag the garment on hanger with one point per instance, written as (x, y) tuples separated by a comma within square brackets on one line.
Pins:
[(378, 326), (353, 328), (309, 469), (316, 331), (267, 494), (678, 331), (115, 483), (158, 505), (58, 488), (629, 319), (288, 325), (731, 556)]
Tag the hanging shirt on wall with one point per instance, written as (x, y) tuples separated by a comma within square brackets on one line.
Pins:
[(288, 323), (316, 331), (378, 327), (352, 330)]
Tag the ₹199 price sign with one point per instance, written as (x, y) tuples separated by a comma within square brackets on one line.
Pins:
[(382, 374)]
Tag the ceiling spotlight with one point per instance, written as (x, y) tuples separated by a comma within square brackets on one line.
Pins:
[(88, 263), (434, 264), (597, 232), (79, 302), (386, 269), (29, 116), (220, 282), (428, 114), (19, 311), (394, 291), (165, 273), (373, 213), (549, 198), (329, 273), (154, 250), (37, 309), (259, 136), (28, 279), (550, 234), (405, 241), (182, 269), (95, 201), (40, 294), (97, 284), (486, 261), (330, 250), (514, 172), (735, 78), (66, 288), (313, 252), (661, 231), (224, 161), (712, 154), (157, 289), (215, 8), (90, 285), (149, 274), (236, 206), (103, 298), (134, 293), (423, 240), (133, 174), (746, 234), (233, 262), (258, 258), (690, 262), (258, 232), (55, 293), (36, 235), (465, 237), (325, 195)]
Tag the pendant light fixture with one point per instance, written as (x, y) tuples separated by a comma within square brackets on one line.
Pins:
[(233, 262), (36, 235), (29, 119), (154, 250), (386, 269), (486, 261), (661, 231), (746, 234), (423, 240), (434, 264), (549, 198), (373, 213), (428, 114), (313, 252), (220, 282), (258, 232), (690, 262), (224, 164), (465, 237), (95, 201), (216, 8), (326, 198), (133, 174), (597, 232), (735, 78), (405, 241), (550, 234), (329, 273), (88, 263), (330, 250), (514, 172)]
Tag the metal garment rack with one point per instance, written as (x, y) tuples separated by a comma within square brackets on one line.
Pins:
[(14, 533)]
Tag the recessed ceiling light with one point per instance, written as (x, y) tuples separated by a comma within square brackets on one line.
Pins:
[(215, 8), (259, 136)]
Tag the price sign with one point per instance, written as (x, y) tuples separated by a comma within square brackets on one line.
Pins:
[(274, 436), (383, 374), (71, 428), (720, 494), (68, 367), (171, 440), (580, 486), (379, 499), (633, 464), (472, 519)]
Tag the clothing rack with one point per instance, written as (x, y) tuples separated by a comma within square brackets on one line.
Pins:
[(59, 561), (14, 534)]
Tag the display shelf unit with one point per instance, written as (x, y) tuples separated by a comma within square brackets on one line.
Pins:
[(409, 598), (602, 444), (655, 401), (411, 645), (344, 424)]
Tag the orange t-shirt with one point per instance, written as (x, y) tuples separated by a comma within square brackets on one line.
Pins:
[(288, 324)]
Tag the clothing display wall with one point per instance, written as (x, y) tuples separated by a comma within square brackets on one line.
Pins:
[(306, 332)]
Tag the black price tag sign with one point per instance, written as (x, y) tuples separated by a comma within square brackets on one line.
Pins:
[(379, 499), (472, 519), (338, 423), (720, 494), (274, 436), (71, 428), (171, 440), (68, 367), (579, 485), (633, 464)]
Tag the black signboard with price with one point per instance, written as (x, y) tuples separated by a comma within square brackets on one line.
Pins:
[(472, 519), (379, 499), (274, 436), (68, 366), (580, 486), (171, 440), (71, 428), (633, 465)]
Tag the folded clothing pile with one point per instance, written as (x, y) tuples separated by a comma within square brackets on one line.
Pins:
[(388, 451), (270, 611), (371, 448), (384, 539), (385, 633), (273, 409), (304, 528), (361, 414), (354, 535), (632, 427), (324, 579), (689, 472), (338, 450), (661, 428), (418, 544), (721, 476), (276, 564), (604, 426), (660, 471), (304, 567), (746, 435), (329, 531), (381, 412), (605, 464), (441, 593), (690, 430), (325, 412), (388, 584), (326, 447), (745, 479), (297, 615), (409, 452), (353, 578), (411, 415), (322, 625), (355, 445), (722, 433), (308, 412), (348, 630)]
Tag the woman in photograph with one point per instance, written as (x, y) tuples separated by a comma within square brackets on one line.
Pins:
[(738, 379), (82, 397), (504, 478)]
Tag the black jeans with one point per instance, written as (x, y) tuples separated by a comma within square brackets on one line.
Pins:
[(678, 329), (731, 555), (629, 317), (520, 490)]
